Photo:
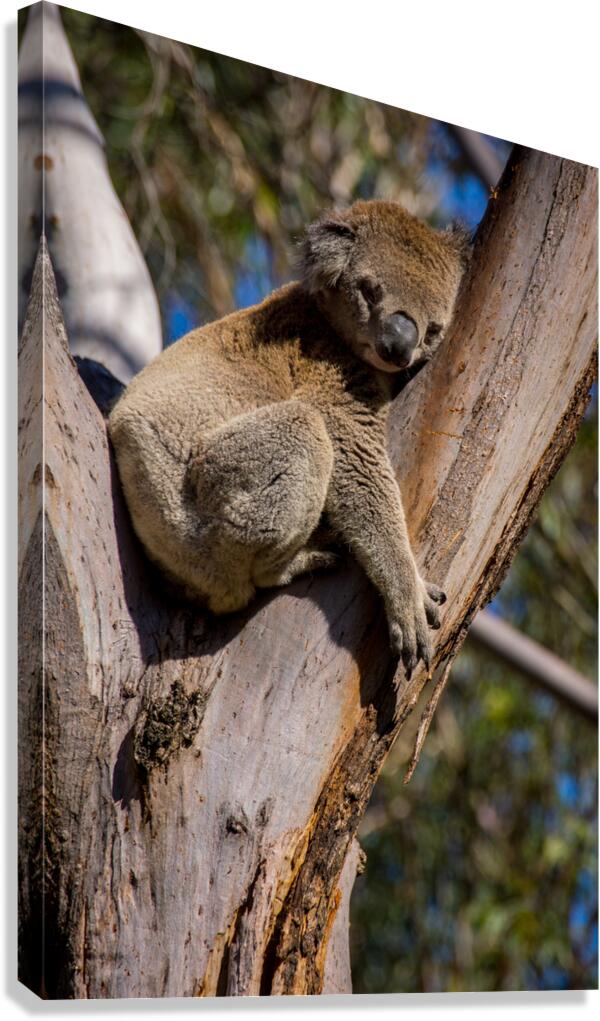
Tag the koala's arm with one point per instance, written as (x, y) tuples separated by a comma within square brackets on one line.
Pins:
[(365, 509)]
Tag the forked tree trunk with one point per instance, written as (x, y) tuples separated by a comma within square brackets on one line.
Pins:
[(190, 787)]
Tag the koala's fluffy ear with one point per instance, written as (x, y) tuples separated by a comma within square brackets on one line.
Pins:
[(325, 253), (460, 239)]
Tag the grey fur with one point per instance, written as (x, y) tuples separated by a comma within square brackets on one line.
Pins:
[(238, 440)]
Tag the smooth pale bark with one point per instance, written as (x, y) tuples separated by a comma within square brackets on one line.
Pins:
[(534, 661), (201, 780), (106, 293)]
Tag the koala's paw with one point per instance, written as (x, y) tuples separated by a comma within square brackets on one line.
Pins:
[(411, 641), (410, 628)]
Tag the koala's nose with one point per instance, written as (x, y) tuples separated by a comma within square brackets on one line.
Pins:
[(400, 338)]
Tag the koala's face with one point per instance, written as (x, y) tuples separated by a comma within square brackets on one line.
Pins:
[(386, 281)]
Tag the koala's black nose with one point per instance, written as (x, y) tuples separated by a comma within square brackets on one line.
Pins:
[(399, 339)]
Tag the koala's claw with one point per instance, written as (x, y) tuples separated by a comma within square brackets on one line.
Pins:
[(396, 639), (410, 660), (435, 593), (432, 614), (424, 648), (425, 653)]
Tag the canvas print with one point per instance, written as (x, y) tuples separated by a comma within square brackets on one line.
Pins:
[(308, 558)]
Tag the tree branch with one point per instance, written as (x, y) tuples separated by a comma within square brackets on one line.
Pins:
[(535, 662), (479, 155)]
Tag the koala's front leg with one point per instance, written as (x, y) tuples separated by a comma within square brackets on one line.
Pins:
[(364, 506)]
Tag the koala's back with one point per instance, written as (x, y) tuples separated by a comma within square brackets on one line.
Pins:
[(170, 410), (201, 381), (241, 362)]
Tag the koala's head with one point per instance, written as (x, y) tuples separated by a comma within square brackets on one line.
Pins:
[(386, 281)]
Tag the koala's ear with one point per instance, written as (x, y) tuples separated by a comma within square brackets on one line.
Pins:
[(325, 253), (460, 239)]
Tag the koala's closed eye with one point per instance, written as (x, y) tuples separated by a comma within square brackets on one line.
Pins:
[(371, 291), (433, 332)]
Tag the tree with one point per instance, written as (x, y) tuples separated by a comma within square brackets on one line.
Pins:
[(190, 788), (65, 190)]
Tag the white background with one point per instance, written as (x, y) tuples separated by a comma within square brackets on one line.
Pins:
[(525, 71)]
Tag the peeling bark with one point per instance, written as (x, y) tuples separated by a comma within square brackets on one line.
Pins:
[(190, 787)]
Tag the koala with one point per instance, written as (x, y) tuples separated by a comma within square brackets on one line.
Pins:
[(250, 442)]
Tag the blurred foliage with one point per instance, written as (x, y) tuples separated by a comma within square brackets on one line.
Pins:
[(551, 592), (481, 872)]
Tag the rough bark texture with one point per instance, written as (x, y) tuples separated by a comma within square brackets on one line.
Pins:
[(190, 787)]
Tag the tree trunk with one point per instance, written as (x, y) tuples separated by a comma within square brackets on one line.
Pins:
[(190, 787), (106, 293)]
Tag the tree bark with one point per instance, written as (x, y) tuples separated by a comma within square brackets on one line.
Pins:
[(190, 787), (106, 293)]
